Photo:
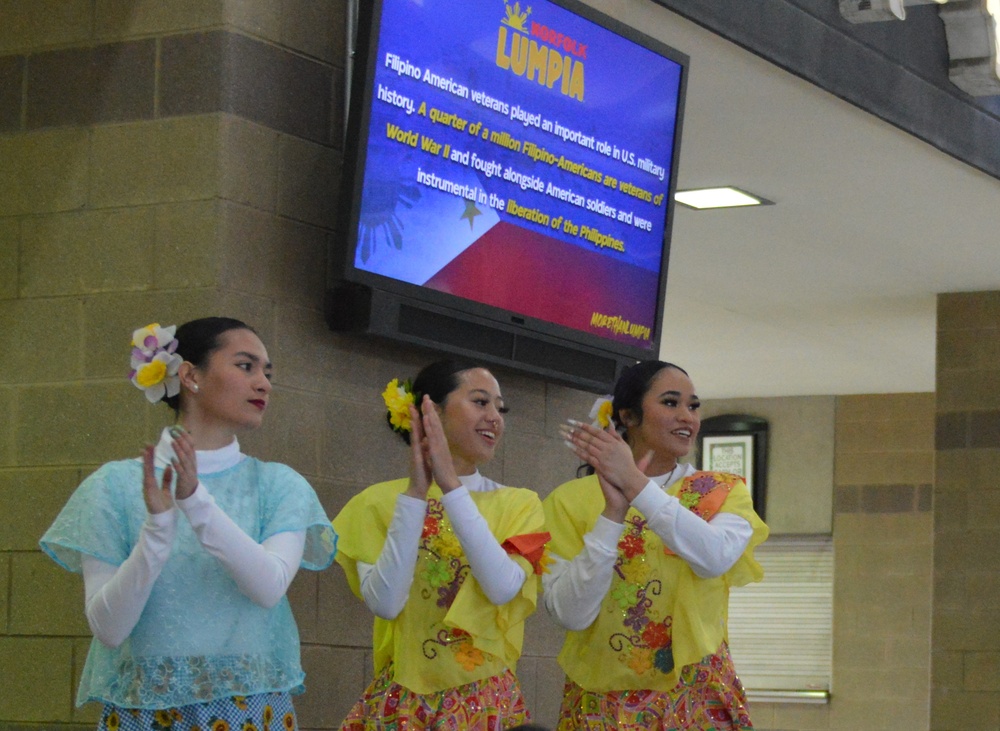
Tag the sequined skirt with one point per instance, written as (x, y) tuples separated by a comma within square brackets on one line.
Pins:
[(259, 712), (491, 704), (708, 697)]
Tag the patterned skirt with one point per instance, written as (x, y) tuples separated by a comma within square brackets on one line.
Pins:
[(491, 704), (260, 712), (708, 697)]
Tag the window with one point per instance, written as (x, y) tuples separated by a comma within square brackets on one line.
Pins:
[(781, 629)]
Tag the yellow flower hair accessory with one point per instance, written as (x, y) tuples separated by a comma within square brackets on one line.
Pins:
[(398, 398), (600, 412), (154, 362)]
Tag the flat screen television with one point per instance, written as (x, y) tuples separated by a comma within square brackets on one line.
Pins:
[(508, 183)]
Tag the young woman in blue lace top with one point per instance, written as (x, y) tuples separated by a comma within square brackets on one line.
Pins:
[(187, 551)]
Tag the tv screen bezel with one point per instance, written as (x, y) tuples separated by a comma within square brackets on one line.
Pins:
[(360, 82)]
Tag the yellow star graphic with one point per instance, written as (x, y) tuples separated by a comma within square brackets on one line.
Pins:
[(471, 212)]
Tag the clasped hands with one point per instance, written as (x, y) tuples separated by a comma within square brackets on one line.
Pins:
[(185, 465), (620, 476), (430, 455)]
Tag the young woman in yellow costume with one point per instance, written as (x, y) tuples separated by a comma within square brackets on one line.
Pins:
[(645, 552), (446, 559)]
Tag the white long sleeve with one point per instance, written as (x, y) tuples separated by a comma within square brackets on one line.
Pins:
[(709, 547), (385, 586), (262, 571), (575, 589), (116, 595), (499, 576)]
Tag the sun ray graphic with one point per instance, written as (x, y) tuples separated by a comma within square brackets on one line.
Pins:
[(379, 220), (515, 18)]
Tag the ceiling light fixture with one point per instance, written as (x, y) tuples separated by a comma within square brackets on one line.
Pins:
[(727, 197)]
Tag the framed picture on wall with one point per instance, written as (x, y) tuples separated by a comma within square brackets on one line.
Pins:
[(737, 444), (731, 453)]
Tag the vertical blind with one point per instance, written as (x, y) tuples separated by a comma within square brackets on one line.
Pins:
[(781, 629)]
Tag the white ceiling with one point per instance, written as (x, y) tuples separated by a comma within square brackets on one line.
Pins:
[(831, 290)]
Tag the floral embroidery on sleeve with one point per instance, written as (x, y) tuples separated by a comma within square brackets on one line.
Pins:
[(704, 492)]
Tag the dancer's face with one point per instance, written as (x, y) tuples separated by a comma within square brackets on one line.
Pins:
[(472, 418), (234, 386), (670, 418)]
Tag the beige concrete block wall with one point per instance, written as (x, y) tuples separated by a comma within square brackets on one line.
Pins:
[(106, 224), (867, 461), (883, 551), (966, 568), (800, 461), (114, 217), (156, 209), (66, 410)]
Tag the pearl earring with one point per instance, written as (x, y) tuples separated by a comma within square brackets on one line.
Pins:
[(194, 387)]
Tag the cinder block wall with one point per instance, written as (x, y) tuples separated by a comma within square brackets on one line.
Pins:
[(966, 644), (883, 486), (160, 162), (877, 452), (163, 161)]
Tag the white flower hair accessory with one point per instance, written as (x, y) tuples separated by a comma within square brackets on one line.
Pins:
[(154, 362), (600, 412)]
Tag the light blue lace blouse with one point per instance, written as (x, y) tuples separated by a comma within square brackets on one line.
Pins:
[(199, 638)]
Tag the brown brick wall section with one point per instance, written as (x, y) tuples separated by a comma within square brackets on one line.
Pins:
[(968, 430), (112, 82), (885, 453), (883, 498), (966, 652), (11, 93), (883, 490), (172, 76)]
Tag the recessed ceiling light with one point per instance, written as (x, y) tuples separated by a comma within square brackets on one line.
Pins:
[(727, 197)]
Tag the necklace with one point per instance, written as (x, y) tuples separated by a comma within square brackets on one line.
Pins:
[(669, 478)]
